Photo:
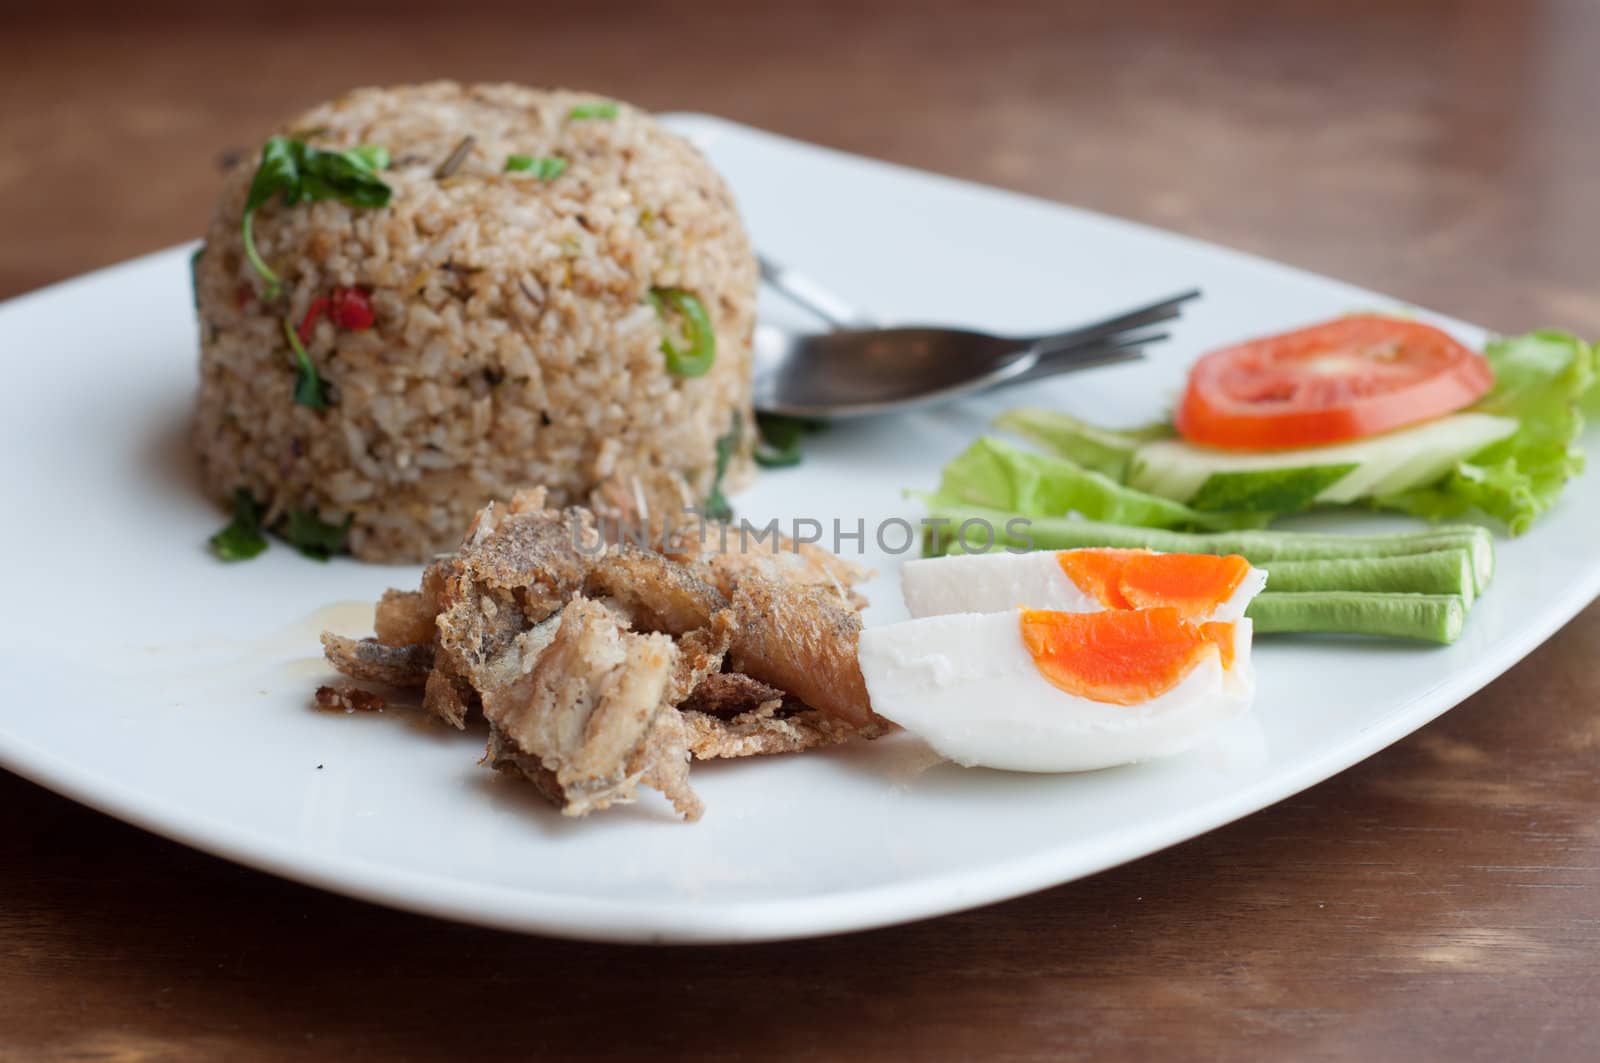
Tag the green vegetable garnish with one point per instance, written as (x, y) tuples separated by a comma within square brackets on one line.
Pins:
[(779, 445), (1100, 449), (308, 389), (313, 536), (1426, 617), (717, 506), (194, 274), (1507, 456), (1287, 491), (1435, 572), (994, 474), (297, 171), (1264, 548), (701, 352), (242, 539), (599, 109), (1541, 380), (544, 167)]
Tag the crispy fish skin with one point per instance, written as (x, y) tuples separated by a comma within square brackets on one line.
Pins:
[(729, 694), (371, 660), (725, 556), (656, 593), (762, 733), (349, 699), (404, 618), (700, 656), (802, 640), (448, 698), (589, 708), (518, 566)]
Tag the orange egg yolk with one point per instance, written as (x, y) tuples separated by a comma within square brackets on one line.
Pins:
[(1121, 657), (1193, 584)]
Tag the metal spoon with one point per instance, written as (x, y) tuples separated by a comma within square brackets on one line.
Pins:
[(855, 372)]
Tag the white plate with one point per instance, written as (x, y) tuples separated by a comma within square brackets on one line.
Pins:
[(149, 681)]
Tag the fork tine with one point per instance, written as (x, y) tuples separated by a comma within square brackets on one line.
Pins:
[(1152, 314), (1130, 338), (1083, 357)]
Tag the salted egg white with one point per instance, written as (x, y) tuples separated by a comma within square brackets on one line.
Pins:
[(1066, 660)]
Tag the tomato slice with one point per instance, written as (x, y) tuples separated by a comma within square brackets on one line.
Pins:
[(1344, 379)]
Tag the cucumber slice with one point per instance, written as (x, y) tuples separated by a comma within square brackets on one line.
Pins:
[(1395, 461)]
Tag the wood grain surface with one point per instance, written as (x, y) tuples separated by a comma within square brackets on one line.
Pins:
[(1440, 901)]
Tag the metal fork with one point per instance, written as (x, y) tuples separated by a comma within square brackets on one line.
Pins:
[(854, 370)]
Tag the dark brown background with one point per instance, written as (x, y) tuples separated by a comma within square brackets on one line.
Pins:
[(1441, 900)]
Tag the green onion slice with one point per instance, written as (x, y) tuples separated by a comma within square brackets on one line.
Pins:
[(696, 358), (598, 109), (544, 167)]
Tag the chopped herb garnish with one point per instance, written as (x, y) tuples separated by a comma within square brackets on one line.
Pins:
[(242, 539), (696, 358), (598, 109), (311, 535), (308, 389), (457, 156), (779, 446), (717, 506), (544, 167), (297, 171), (194, 273)]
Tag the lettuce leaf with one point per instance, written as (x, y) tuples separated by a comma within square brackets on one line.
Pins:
[(1543, 379), (1104, 450), (997, 475)]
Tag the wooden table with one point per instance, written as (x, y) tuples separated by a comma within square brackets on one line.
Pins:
[(1441, 900)]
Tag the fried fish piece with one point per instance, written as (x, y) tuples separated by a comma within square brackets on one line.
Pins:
[(590, 711), (375, 662), (405, 618), (349, 699), (656, 593), (802, 640), (729, 694), (726, 555), (519, 565), (762, 732)]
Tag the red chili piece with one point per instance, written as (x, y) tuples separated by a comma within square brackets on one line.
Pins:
[(318, 307), (351, 309)]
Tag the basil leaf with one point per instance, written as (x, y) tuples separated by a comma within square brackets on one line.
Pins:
[(695, 359), (374, 156), (242, 539), (313, 536), (598, 109), (278, 171), (299, 172)]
